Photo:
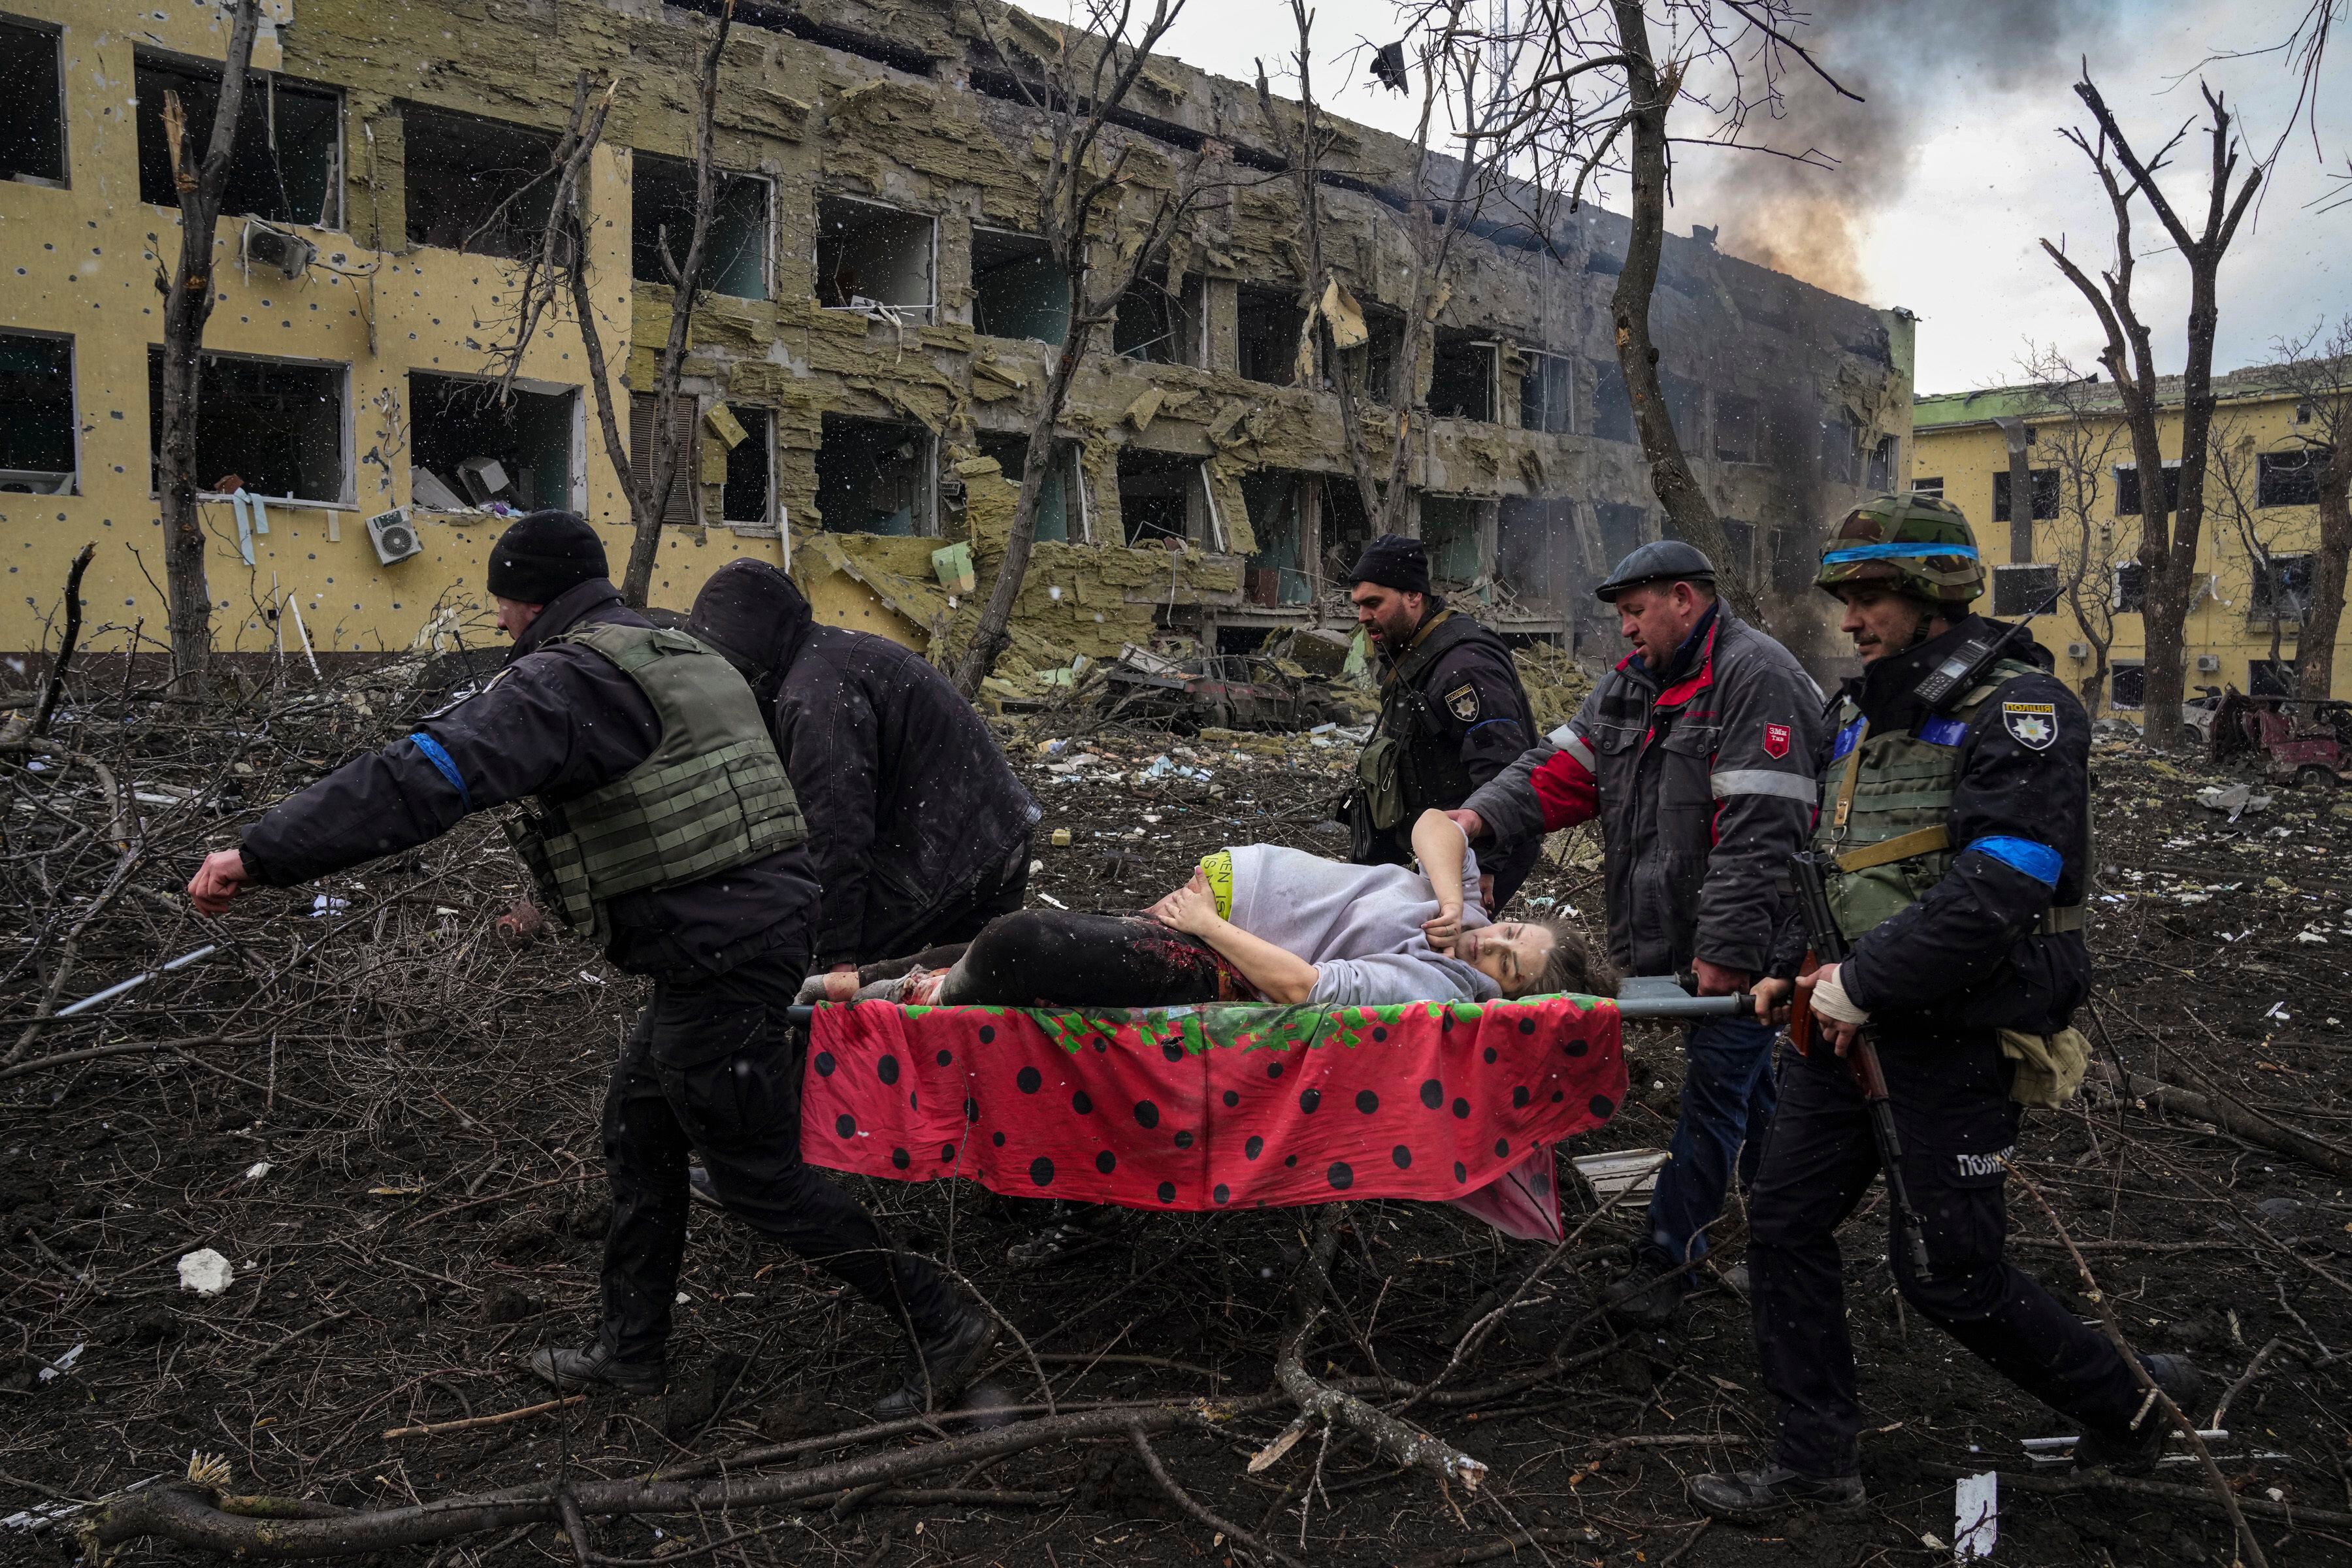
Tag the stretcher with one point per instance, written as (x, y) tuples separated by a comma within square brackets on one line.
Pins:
[(1222, 1106)]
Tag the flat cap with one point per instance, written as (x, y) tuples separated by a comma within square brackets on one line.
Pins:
[(1660, 561)]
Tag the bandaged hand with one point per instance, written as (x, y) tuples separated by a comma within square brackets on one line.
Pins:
[(1835, 1013), (1444, 928)]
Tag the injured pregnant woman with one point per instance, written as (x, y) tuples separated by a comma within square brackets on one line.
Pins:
[(1257, 923)]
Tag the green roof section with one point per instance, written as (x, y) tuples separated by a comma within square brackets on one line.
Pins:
[(2036, 400)]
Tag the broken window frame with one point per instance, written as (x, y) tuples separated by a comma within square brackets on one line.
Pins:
[(2130, 597), (55, 36), (2127, 483), (2128, 685), (928, 310), (1559, 556), (508, 242), (1792, 560), (1202, 526), (261, 95), (985, 235), (575, 450), (343, 500), (1931, 486), (2288, 478), (1273, 301), (1613, 518), (1546, 372), (66, 481), (2044, 482), (2278, 585), (1295, 586), (2024, 583), (1067, 455), (762, 442), (1488, 349), (923, 507), (1481, 522), (724, 183), (1878, 465)]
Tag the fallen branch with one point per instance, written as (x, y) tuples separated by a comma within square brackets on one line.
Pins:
[(65, 649), (2133, 1485), (1224, 1528), (2209, 1104), (471, 1421)]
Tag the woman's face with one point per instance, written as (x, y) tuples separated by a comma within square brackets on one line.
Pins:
[(1511, 954)]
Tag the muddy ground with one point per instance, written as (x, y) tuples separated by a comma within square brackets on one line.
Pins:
[(385, 1119)]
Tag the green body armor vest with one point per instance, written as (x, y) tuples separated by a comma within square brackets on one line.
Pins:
[(711, 796), (1885, 806)]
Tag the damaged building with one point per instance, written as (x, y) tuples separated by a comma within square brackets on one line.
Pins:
[(863, 373)]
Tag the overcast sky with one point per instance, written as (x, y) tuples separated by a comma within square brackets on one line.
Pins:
[(1955, 171)]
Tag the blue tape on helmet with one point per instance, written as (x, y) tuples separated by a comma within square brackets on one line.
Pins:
[(1880, 551)]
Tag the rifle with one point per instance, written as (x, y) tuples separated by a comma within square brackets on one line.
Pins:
[(1809, 879)]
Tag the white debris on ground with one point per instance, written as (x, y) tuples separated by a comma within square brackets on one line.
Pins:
[(205, 1272)]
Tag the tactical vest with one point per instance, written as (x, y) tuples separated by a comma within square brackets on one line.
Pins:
[(712, 794), (1886, 803), (1399, 775)]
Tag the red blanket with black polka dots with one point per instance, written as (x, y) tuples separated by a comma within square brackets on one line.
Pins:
[(1219, 1107)]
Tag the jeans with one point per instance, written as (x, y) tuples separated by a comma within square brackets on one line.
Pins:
[(1727, 1094), (1955, 1121)]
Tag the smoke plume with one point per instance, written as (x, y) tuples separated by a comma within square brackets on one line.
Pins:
[(1924, 68)]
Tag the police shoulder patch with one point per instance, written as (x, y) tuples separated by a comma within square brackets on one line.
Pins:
[(1463, 702), (2034, 724)]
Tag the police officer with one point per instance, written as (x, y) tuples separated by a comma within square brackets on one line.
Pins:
[(618, 731), (1452, 713), (1695, 756), (1955, 797)]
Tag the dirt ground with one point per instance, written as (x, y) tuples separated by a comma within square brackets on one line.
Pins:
[(385, 1120)]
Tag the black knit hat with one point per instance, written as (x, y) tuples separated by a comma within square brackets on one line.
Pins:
[(542, 553), (1393, 560)]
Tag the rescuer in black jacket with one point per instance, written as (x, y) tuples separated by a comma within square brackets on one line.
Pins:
[(716, 907), (1452, 713), (1955, 801), (919, 831)]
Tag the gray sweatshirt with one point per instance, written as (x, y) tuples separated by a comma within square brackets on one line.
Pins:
[(1360, 925)]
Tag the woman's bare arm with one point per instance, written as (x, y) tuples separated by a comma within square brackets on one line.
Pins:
[(1441, 845), (1279, 975)]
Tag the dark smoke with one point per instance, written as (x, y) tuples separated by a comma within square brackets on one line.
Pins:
[(1924, 68)]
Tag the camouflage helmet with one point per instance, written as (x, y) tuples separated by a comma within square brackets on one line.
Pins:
[(1919, 545)]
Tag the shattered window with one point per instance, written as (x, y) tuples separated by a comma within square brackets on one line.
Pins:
[(1613, 409), (471, 449), (1535, 553), (275, 427), (2128, 685), (1545, 393), (1737, 421), (678, 505), (1933, 486), (2271, 677), (32, 105), (1840, 450), (1453, 528), (1277, 576), (2289, 478), (1346, 527), (2045, 493), (1462, 376), (1156, 326), (37, 415), (2131, 588), (2281, 586), (661, 206), (1060, 499), (874, 476), (1016, 290), (1879, 474), (475, 185), (2126, 489), (1268, 323), (1157, 493), (750, 493), (868, 255), (1624, 529), (2025, 591), (1372, 368), (286, 162)]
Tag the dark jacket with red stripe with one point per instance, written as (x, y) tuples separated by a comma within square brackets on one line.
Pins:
[(1704, 785)]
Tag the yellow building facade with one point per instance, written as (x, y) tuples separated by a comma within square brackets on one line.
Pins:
[(2076, 578)]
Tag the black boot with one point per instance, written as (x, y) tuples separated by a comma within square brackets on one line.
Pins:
[(1646, 1299), (2134, 1451), (570, 1370), (1739, 1496), (940, 1366)]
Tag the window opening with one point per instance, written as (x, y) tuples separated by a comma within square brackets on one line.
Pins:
[(1687, 407), (1016, 290), (1061, 502), (1156, 326), (479, 186), (1462, 376), (735, 250), (2131, 588), (2045, 494), (1267, 323), (2128, 685), (1624, 529), (1277, 576), (1536, 549), (1545, 393), (749, 492), (37, 415), (1932, 486), (1156, 494), (870, 255), (468, 447), (32, 105), (1346, 527), (1613, 409), (276, 425), (2288, 478), (2025, 590), (2271, 677), (1453, 529), (2127, 490), (874, 476), (2282, 587), (1879, 474), (286, 161)]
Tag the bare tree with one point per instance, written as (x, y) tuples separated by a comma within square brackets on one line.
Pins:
[(558, 271), (188, 306), (1094, 202), (2319, 368), (2167, 545), (2087, 543), (2233, 480)]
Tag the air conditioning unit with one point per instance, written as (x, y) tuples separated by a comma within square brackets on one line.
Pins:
[(267, 246), (2078, 651), (2207, 663), (394, 536)]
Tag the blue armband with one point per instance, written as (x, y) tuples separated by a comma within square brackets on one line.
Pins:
[(439, 757), (2038, 862)]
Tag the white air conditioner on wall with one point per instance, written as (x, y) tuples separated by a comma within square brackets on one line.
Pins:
[(394, 536), (2078, 650), (2207, 663)]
